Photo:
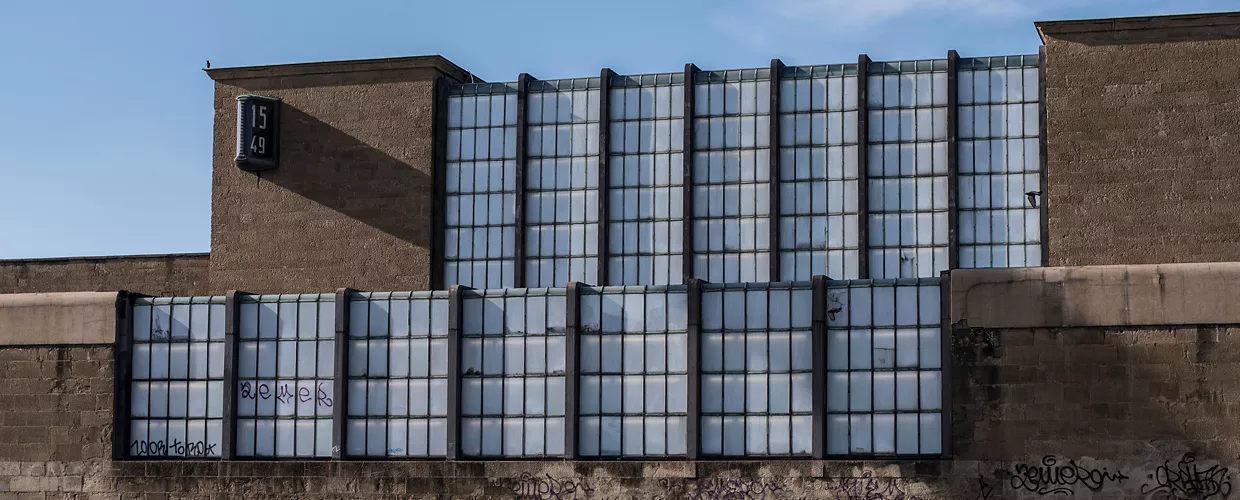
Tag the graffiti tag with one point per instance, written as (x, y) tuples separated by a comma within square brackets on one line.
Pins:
[(1189, 479)]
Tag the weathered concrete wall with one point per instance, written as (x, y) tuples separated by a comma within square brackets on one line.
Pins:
[(58, 318), (1141, 142), (1168, 294), (351, 202), (174, 274)]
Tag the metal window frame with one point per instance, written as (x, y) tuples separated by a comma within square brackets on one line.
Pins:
[(688, 151), (863, 166), (123, 376)]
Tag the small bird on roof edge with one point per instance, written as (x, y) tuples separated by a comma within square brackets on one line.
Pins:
[(208, 64)]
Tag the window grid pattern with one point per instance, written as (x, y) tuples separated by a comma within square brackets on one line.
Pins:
[(634, 371), (646, 170), (731, 177), (1000, 165), (285, 375), (481, 185), (562, 182), (884, 368), (907, 169), (398, 374), (512, 373), (818, 213), (756, 369), (177, 389)]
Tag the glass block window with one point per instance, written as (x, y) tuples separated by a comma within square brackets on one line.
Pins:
[(908, 168), (177, 388), (285, 370), (1000, 164), (884, 368), (646, 170), (731, 181), (398, 374), (481, 185), (818, 213), (756, 369), (562, 182), (634, 362), (512, 373)]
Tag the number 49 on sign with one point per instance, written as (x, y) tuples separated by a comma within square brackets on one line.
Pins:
[(258, 133)]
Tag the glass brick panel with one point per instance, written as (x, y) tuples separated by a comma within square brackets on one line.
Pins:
[(398, 374), (634, 379), (562, 182), (512, 373), (646, 170), (481, 185), (285, 371), (907, 105), (756, 370), (1000, 178), (884, 367), (818, 213), (177, 389)]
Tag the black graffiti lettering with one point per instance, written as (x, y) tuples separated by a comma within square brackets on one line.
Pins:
[(321, 397), (177, 448), (283, 394), (1052, 478), (544, 487), (1189, 479), (718, 489), (303, 394), (247, 391), (264, 391), (868, 487)]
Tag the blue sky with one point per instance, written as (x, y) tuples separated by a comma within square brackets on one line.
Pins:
[(106, 118)]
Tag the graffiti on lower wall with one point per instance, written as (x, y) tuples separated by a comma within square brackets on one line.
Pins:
[(719, 489), (534, 486), (869, 487), (1050, 476), (1188, 478)]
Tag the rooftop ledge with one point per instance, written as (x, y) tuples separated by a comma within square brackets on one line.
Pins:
[(435, 62), (1118, 30)]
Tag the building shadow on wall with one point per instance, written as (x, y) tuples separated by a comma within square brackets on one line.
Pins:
[(336, 170)]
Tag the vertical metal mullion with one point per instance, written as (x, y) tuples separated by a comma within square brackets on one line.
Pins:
[(777, 67), (694, 379), (123, 379), (687, 147), (518, 264), (604, 175), (945, 364), (572, 323), (454, 371), (818, 382), (1043, 214), (863, 165), (340, 378), (439, 173), (232, 327), (953, 160)]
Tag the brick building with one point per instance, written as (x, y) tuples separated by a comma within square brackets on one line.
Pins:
[(990, 277)]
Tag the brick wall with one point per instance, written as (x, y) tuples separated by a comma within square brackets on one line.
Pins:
[(1142, 146), (351, 202), (177, 274)]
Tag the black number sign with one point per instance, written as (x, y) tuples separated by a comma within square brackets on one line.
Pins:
[(258, 132)]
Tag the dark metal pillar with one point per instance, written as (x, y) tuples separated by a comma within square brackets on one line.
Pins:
[(1044, 199), (439, 174), (340, 392), (945, 358), (604, 175), (953, 160), (518, 251), (123, 378), (232, 328), (693, 448), (818, 344), (686, 266), (863, 166), (777, 67), (454, 370), (572, 342)]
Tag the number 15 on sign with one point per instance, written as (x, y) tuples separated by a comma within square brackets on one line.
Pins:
[(258, 123)]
